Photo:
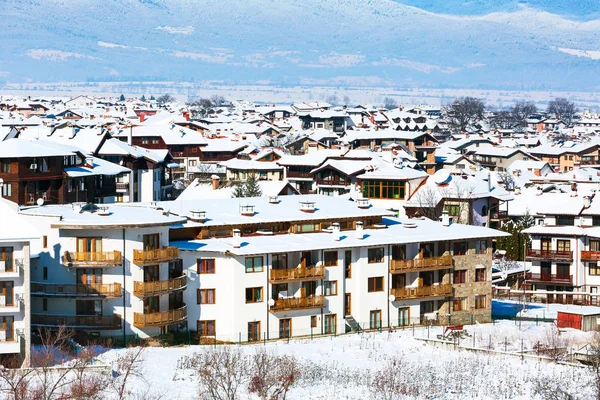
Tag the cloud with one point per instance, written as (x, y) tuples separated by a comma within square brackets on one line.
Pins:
[(55, 55), (593, 54), (475, 65), (219, 58), (4, 74), (415, 65), (111, 45), (177, 30)]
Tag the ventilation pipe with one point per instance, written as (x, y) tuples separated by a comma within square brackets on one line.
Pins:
[(359, 230), (445, 218), (237, 238), (335, 231)]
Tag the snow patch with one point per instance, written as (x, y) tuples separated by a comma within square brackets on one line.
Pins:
[(177, 30)]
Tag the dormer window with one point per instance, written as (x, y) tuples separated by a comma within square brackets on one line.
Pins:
[(247, 210)]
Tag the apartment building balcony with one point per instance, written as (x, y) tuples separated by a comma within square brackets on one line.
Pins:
[(590, 256), (122, 187), (420, 264), (423, 292), (77, 321), (110, 290), (8, 346), (162, 318), (10, 306), (300, 175), (297, 274), (498, 214), (556, 255), (332, 181), (549, 278), (11, 269), (143, 289), (298, 303), (589, 161), (93, 259), (166, 254)]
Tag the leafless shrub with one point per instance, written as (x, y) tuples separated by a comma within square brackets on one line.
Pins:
[(388, 383), (273, 376), (87, 384), (14, 383), (127, 365), (221, 372), (555, 344), (551, 390)]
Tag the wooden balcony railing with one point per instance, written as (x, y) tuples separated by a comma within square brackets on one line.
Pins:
[(420, 264), (299, 174), (142, 289), (162, 318), (78, 321), (332, 181), (297, 274), (76, 290), (549, 254), (590, 255), (169, 253), (549, 278), (85, 259), (495, 214), (122, 187), (422, 292), (298, 303)]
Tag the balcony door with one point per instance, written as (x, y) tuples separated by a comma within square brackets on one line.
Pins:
[(280, 290), (89, 276), (151, 273), (563, 270), (7, 328), (594, 245), (285, 328), (375, 319), (306, 259), (348, 304), (546, 244), (6, 293), (151, 304), (545, 269), (403, 316), (175, 300), (89, 245), (6, 255), (175, 269), (426, 278), (399, 252), (398, 281), (253, 331), (151, 242), (309, 288), (426, 250), (89, 307)]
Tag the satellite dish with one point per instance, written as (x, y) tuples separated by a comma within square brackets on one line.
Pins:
[(392, 297), (40, 202), (442, 176)]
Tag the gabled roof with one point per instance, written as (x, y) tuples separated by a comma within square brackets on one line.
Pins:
[(20, 148)]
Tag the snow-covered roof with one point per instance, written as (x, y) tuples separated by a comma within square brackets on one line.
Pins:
[(200, 191), (17, 148), (238, 164), (14, 228), (99, 167)]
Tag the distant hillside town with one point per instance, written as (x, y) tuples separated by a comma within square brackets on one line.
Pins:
[(249, 222)]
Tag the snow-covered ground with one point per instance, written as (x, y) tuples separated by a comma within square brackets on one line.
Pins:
[(343, 367)]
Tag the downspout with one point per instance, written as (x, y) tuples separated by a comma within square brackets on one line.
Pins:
[(268, 294), (323, 291), (388, 285), (124, 294)]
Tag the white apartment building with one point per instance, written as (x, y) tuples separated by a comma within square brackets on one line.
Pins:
[(565, 250), (254, 268), (15, 254)]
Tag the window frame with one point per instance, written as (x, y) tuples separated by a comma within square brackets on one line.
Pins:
[(205, 262), (253, 269), (253, 297), (206, 323), (375, 258), (478, 246), (478, 274), (328, 262), (461, 274), (479, 299), (461, 302), (203, 297), (372, 286), (328, 285)]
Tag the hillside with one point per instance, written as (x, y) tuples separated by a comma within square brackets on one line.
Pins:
[(381, 42)]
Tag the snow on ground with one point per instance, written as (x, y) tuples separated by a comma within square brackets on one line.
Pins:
[(347, 363)]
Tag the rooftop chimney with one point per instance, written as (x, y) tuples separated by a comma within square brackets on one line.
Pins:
[(359, 230), (307, 206), (273, 199), (587, 201), (215, 181), (237, 238), (142, 117), (445, 218), (335, 231), (247, 210), (198, 216), (362, 203)]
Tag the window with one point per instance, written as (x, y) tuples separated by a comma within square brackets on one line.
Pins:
[(375, 189), (375, 319), (280, 261), (206, 328), (594, 245), (565, 220), (480, 275), (44, 304), (151, 242), (45, 242), (453, 209), (313, 321), (460, 276), (563, 245), (330, 258), (459, 248), (480, 302), (375, 255), (5, 166), (7, 190), (192, 163), (375, 284), (594, 269), (596, 221), (330, 323), (206, 296), (45, 273), (459, 304), (6, 255), (285, 328), (205, 265), (399, 252), (480, 246), (348, 263), (563, 270), (89, 245), (330, 288), (254, 264), (304, 228), (254, 295), (253, 331)]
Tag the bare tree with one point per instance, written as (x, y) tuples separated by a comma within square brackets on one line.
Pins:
[(464, 113), (390, 103), (15, 383), (127, 365), (221, 372), (164, 99), (273, 376), (555, 344), (86, 385), (428, 200), (388, 384), (563, 109), (519, 113), (594, 359), (506, 179), (218, 101), (333, 100)]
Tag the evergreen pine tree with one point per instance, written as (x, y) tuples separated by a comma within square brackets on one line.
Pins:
[(122, 98), (238, 191), (252, 188), (143, 98), (152, 97)]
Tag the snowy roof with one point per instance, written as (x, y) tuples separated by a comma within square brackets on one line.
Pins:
[(389, 134), (68, 216), (16, 148), (218, 145), (397, 232), (14, 228), (310, 159), (392, 172), (99, 167), (236, 163), (496, 151), (526, 165), (116, 147), (203, 190)]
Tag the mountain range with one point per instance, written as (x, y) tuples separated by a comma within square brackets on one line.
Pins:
[(542, 44)]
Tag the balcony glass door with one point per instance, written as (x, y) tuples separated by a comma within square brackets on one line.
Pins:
[(6, 294), (285, 328), (151, 242), (89, 307), (398, 252), (403, 316), (6, 328), (151, 305), (151, 273), (88, 276), (546, 244), (6, 255)]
